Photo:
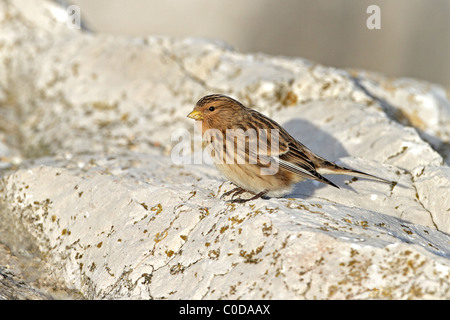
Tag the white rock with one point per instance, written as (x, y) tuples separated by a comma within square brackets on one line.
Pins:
[(118, 219)]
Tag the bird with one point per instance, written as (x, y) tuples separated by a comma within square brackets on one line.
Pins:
[(256, 153)]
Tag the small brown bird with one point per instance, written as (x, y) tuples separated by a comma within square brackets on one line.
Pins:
[(256, 153)]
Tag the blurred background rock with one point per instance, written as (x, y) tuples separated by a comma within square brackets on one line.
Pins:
[(414, 39)]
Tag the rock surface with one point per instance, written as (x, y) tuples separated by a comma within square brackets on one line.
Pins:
[(90, 129), (12, 287)]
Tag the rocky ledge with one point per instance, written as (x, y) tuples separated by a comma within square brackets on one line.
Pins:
[(90, 127)]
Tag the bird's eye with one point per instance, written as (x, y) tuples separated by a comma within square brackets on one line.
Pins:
[(212, 109)]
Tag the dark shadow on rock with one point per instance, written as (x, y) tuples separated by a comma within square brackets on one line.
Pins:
[(321, 143), (316, 139)]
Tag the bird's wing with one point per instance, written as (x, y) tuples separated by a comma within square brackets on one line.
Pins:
[(295, 159), (273, 148), (287, 155)]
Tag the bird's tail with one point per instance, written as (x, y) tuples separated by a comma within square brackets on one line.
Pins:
[(327, 167)]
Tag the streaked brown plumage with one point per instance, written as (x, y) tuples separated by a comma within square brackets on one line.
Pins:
[(264, 170)]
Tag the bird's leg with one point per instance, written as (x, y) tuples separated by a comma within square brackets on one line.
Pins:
[(257, 196), (234, 191), (237, 192)]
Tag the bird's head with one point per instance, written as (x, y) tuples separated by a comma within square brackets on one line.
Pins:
[(216, 111)]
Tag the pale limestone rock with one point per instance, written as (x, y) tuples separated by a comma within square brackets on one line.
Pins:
[(117, 218), (142, 231)]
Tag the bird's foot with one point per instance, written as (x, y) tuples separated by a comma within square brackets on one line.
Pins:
[(257, 196), (234, 191)]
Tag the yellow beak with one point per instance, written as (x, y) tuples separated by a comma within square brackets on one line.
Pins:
[(196, 115)]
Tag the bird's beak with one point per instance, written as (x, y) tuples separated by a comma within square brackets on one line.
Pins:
[(196, 115)]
